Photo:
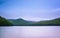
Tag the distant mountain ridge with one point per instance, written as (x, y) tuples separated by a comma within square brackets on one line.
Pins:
[(50, 22), (21, 21)]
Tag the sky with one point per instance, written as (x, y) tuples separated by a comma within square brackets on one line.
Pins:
[(34, 10)]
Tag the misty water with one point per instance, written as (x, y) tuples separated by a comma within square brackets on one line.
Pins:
[(30, 32)]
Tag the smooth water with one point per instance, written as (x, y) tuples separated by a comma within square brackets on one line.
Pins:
[(30, 32)]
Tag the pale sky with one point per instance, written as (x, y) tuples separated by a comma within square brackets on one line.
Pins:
[(34, 10)]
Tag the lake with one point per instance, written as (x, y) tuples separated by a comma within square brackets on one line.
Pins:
[(30, 32)]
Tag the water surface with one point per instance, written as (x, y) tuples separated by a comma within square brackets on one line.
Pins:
[(30, 32)]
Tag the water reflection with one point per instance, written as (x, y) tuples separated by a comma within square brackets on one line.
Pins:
[(30, 32)]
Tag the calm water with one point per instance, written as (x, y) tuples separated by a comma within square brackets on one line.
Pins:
[(30, 32)]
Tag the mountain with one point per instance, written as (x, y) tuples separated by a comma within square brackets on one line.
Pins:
[(55, 21), (49, 22), (4, 21), (20, 21)]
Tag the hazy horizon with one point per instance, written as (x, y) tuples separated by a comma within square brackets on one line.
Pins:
[(33, 10)]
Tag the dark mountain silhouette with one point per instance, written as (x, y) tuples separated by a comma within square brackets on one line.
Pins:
[(4, 21)]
